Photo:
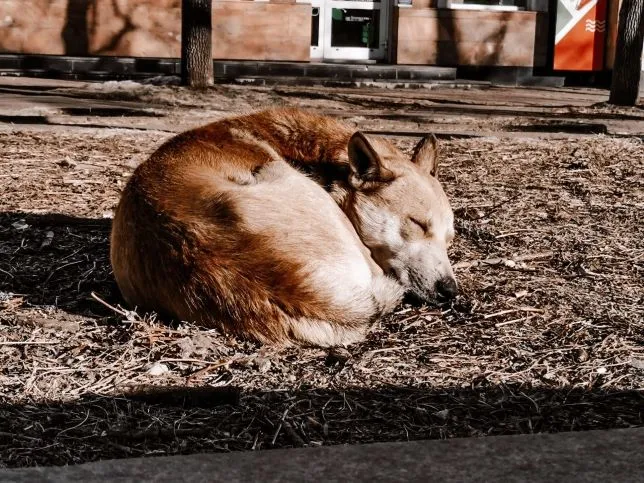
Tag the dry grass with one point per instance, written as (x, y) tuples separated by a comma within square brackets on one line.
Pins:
[(547, 334)]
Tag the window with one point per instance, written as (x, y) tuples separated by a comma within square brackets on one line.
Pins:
[(498, 5)]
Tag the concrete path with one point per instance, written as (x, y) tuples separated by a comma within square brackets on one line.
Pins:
[(593, 456), (448, 112)]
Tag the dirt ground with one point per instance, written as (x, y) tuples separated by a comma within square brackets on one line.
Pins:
[(546, 335)]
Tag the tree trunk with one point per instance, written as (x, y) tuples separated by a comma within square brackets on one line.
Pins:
[(76, 30), (628, 54), (196, 43)]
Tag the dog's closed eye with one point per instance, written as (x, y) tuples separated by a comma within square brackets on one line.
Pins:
[(420, 224)]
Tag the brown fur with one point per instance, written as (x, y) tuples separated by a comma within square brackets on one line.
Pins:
[(215, 227)]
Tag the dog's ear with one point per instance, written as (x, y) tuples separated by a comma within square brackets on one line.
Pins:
[(426, 155), (367, 170)]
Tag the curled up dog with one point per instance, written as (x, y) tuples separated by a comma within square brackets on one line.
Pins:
[(283, 226)]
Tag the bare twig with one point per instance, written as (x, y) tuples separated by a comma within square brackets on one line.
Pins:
[(512, 311), (29, 342), (111, 307), (500, 261)]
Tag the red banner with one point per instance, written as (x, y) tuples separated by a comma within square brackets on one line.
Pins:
[(580, 37)]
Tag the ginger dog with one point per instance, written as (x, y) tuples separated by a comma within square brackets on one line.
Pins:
[(284, 227)]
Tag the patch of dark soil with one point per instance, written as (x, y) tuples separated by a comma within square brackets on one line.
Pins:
[(97, 427), (56, 260), (567, 127)]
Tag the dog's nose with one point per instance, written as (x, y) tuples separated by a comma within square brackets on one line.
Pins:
[(446, 288)]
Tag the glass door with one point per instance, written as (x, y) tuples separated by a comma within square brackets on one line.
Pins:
[(349, 29)]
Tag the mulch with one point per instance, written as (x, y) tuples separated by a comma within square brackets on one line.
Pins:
[(546, 335)]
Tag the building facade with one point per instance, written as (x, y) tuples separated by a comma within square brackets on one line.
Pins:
[(560, 34)]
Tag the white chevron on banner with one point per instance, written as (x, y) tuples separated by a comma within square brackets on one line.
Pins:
[(595, 26)]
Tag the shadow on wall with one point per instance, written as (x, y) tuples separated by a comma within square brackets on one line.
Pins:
[(448, 52), (455, 47), (497, 39), (95, 27), (75, 33), (81, 34), (126, 28)]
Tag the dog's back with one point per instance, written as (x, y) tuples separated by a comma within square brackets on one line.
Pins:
[(218, 228)]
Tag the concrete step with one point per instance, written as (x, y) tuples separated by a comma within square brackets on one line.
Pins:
[(236, 69), (136, 67), (332, 82), (511, 76), (106, 68)]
